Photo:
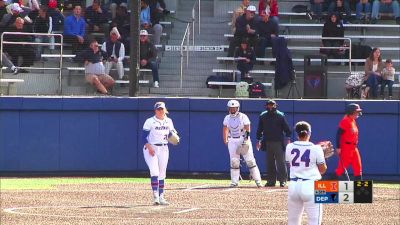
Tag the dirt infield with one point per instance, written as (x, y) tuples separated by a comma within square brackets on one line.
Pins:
[(131, 203)]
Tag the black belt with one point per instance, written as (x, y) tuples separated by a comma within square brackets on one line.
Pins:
[(296, 179), (349, 143), (237, 137), (160, 144)]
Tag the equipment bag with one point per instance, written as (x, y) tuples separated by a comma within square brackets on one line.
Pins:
[(257, 90), (242, 90)]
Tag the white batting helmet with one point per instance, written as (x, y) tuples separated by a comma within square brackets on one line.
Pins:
[(233, 103)]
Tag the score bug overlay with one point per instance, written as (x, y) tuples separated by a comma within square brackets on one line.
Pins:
[(343, 192)]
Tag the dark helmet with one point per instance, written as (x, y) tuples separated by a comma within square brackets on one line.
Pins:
[(270, 102), (353, 107)]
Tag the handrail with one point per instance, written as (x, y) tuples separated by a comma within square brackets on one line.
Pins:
[(35, 43), (187, 33)]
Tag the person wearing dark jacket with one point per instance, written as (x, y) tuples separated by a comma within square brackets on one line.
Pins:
[(97, 18), (267, 29), (94, 68), (245, 57), (148, 56), (246, 27), (333, 28), (271, 127), (25, 51), (43, 24)]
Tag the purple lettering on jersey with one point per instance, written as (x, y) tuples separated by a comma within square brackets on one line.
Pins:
[(304, 158)]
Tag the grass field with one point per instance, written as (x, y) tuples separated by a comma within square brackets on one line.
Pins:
[(50, 183)]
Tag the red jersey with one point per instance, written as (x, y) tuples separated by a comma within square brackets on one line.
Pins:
[(350, 131)]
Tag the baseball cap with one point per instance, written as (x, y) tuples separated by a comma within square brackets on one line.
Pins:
[(143, 33), (159, 105), (115, 31), (16, 7), (270, 102), (251, 8)]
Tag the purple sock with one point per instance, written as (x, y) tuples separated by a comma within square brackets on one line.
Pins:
[(154, 183), (161, 186)]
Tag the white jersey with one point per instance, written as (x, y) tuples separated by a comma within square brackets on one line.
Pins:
[(236, 124), (303, 157), (159, 130)]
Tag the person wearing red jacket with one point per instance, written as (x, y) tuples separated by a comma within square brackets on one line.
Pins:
[(270, 6), (347, 141)]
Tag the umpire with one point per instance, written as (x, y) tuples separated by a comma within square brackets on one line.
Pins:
[(272, 126)]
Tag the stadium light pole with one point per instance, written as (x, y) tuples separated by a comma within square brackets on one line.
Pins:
[(134, 48)]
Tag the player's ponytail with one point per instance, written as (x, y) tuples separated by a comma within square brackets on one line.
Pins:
[(303, 129)]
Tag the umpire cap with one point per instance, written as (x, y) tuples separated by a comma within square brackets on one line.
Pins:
[(270, 102), (353, 107)]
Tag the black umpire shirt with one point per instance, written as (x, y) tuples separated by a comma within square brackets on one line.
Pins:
[(272, 125)]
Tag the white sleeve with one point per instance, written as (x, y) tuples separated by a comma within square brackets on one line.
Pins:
[(50, 25), (147, 125), (320, 155), (121, 53), (226, 121), (246, 120), (171, 124), (104, 47), (287, 153)]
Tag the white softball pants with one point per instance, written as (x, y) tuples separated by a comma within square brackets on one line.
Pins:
[(233, 144), (301, 197), (158, 163)]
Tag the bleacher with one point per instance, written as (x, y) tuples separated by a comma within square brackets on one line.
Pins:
[(303, 39)]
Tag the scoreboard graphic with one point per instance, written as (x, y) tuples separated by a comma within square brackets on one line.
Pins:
[(332, 191)]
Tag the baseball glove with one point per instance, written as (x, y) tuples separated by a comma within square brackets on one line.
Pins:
[(243, 148), (173, 137), (328, 148)]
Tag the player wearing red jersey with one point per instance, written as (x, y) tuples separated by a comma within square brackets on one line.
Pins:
[(347, 141)]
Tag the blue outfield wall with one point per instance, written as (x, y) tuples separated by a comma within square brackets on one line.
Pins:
[(104, 134)]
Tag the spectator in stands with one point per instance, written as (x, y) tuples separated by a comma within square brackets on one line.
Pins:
[(33, 5), (317, 7), (75, 30), (148, 56), (245, 28), (271, 7), (97, 18), (26, 51), (158, 9), (363, 6), (333, 28), (239, 12), (54, 11), (69, 5), (13, 11), (94, 69), (385, 6), (388, 78), (7, 63), (43, 24), (267, 29), (3, 9), (341, 6), (146, 24), (121, 21), (115, 53), (373, 70), (245, 60), (114, 4)]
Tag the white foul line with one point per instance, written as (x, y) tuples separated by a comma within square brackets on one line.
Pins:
[(196, 187), (186, 210)]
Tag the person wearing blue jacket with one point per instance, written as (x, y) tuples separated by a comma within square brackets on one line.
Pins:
[(75, 30)]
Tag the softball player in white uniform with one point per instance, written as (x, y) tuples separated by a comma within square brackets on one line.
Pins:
[(236, 131), (155, 134), (307, 163)]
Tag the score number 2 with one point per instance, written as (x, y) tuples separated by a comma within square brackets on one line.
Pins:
[(305, 157)]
